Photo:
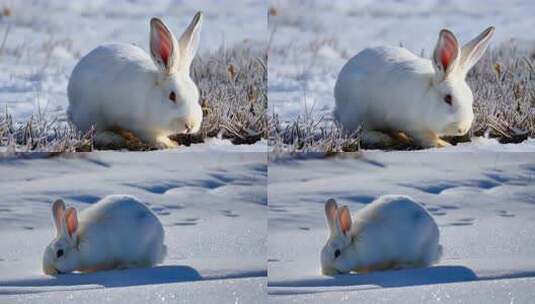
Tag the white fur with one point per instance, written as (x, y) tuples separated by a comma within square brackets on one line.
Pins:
[(392, 90), (118, 86), (117, 232), (392, 232)]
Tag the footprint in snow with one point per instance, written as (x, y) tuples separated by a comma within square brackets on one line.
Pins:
[(162, 211), (184, 224), (190, 221), (505, 213), (229, 213), (277, 208), (449, 207), (174, 207), (467, 221)]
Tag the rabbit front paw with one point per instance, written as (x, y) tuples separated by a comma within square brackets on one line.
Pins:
[(163, 142), (431, 140), (440, 143)]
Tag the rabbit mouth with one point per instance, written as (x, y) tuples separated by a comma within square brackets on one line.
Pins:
[(183, 126), (51, 270), (192, 126), (329, 271), (455, 130)]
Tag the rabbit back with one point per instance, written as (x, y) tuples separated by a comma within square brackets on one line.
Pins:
[(379, 87), (396, 228), (121, 229), (105, 86)]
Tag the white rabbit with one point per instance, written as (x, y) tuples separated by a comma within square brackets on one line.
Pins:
[(392, 232), (118, 87), (393, 93), (117, 232)]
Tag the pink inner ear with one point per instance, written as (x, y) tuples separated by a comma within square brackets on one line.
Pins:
[(72, 221), (164, 47), (445, 58), (448, 51), (345, 219)]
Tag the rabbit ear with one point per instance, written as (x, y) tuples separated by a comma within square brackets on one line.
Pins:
[(473, 50), (344, 220), (58, 211), (189, 41), (446, 54), (163, 46), (71, 220), (330, 214)]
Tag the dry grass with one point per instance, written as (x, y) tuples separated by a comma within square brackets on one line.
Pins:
[(311, 134), (40, 134), (233, 85), (504, 94)]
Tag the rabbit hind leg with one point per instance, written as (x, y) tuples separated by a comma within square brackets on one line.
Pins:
[(118, 138), (413, 264), (391, 265), (430, 140), (380, 266), (164, 142), (376, 139), (132, 141), (138, 264), (400, 137), (109, 140)]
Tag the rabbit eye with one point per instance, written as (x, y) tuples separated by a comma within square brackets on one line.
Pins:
[(336, 253), (447, 99), (59, 253), (172, 96)]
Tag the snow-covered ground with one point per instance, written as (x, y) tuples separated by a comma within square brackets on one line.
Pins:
[(481, 144), (310, 41), (42, 40), (484, 204), (213, 208)]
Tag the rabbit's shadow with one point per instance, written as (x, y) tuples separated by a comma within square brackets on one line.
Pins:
[(115, 278), (407, 277), (385, 279)]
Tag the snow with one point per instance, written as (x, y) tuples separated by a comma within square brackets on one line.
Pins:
[(482, 144), (482, 202), (46, 39), (310, 41), (223, 145), (212, 206)]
